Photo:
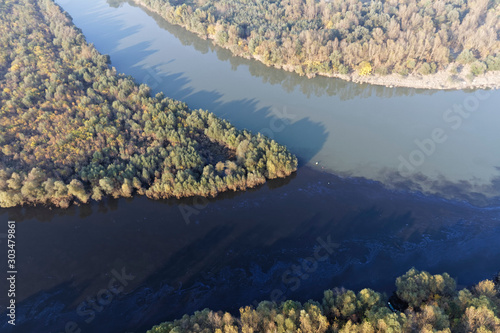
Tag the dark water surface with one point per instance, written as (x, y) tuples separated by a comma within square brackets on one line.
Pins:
[(149, 261)]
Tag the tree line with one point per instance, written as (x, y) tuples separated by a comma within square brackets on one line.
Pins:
[(72, 129), (424, 303), (349, 36)]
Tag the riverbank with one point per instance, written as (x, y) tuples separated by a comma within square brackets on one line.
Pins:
[(342, 310), (220, 264), (116, 139), (448, 79), (442, 80)]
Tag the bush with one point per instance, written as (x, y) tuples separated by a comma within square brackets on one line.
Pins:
[(222, 37), (365, 68), (381, 71), (343, 69), (403, 71), (427, 68), (411, 63), (466, 57), (477, 68), (493, 63)]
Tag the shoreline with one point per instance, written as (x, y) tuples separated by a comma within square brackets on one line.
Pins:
[(437, 81), (190, 153)]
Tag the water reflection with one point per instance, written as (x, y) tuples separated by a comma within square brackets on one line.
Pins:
[(469, 191), (108, 205), (348, 129), (237, 249), (290, 82)]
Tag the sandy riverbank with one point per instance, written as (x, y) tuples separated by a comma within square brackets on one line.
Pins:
[(439, 80)]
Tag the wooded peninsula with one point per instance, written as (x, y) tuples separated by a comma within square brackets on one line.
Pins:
[(72, 129), (422, 303), (414, 43)]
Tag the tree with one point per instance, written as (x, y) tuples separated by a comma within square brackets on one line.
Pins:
[(415, 287), (112, 137), (478, 68), (480, 320), (365, 68), (77, 189)]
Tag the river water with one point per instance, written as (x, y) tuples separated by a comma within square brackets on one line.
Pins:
[(390, 177)]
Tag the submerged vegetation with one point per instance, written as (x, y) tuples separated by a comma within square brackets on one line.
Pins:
[(422, 303), (349, 36), (72, 129)]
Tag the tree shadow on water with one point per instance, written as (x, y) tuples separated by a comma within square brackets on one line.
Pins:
[(317, 86)]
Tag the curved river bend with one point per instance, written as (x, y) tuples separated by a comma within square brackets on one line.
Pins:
[(390, 177)]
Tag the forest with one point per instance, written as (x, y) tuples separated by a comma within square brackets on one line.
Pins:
[(340, 37), (73, 130), (422, 303)]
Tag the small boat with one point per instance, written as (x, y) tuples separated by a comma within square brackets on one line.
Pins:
[(391, 307)]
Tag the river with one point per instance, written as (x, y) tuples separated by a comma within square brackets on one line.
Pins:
[(390, 177)]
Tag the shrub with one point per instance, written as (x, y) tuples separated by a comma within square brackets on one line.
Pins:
[(365, 68), (466, 57), (477, 68)]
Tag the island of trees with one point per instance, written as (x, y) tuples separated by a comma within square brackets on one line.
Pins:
[(353, 39), (423, 303), (73, 130)]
